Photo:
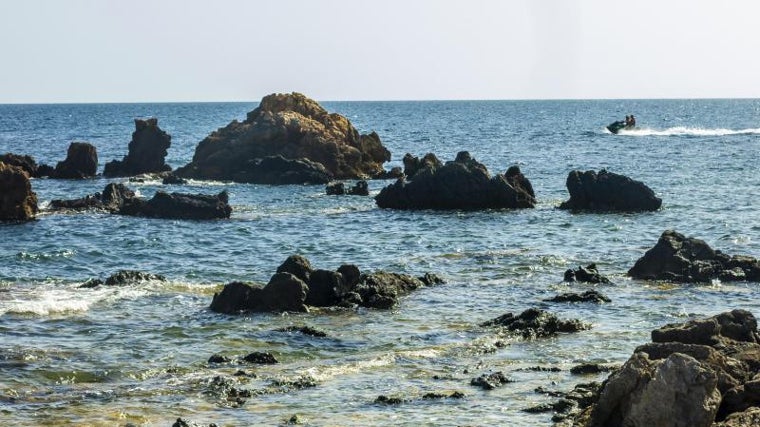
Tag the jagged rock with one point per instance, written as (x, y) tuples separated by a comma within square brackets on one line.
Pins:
[(589, 368), (81, 162), (147, 151), (491, 381), (588, 296), (361, 188), (326, 288), (588, 274), (413, 164), (218, 358), (171, 178), (298, 266), (681, 259), (179, 206), (382, 289), (260, 358), (535, 323), (607, 191), (129, 277), (306, 330), (235, 297), (17, 200), (461, 184), (279, 170), (111, 199), (27, 163), (294, 127), (284, 292)]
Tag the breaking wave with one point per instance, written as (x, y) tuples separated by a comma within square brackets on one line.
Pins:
[(686, 131)]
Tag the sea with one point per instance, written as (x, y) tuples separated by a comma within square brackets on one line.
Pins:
[(138, 355)]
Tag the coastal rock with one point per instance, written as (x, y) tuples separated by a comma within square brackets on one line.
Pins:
[(277, 170), (261, 358), (699, 373), (588, 274), (607, 191), (27, 163), (179, 206), (680, 259), (490, 381), (588, 296), (294, 127), (361, 188), (296, 285), (461, 184), (536, 323), (17, 200), (413, 164), (146, 154), (81, 162)]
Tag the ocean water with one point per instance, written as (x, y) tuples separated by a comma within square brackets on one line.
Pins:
[(138, 354)]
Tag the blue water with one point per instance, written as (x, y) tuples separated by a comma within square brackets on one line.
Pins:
[(138, 354)]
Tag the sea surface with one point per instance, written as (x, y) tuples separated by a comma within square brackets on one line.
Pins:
[(138, 354)]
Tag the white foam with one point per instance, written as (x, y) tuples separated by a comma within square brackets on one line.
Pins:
[(55, 300), (687, 131)]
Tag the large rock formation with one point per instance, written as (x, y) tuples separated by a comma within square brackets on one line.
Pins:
[(17, 200), (681, 259), (81, 162), (294, 127), (147, 151), (698, 373), (608, 191), (461, 184), (26, 163), (296, 286), (118, 199)]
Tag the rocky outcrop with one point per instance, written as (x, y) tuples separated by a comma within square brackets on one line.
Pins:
[(607, 191), (361, 188), (296, 128), (26, 163), (699, 373), (461, 184), (588, 274), (118, 199), (535, 323), (588, 296), (17, 200), (678, 258), (296, 286), (413, 164), (124, 278), (81, 162), (146, 154)]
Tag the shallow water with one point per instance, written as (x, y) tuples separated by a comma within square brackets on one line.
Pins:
[(138, 354)]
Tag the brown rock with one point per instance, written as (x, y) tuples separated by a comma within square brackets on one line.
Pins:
[(17, 200)]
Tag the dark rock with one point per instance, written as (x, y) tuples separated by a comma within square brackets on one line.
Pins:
[(179, 206), (294, 127), (490, 381), (284, 292), (338, 188), (589, 368), (306, 330), (461, 184), (588, 274), (236, 297), (748, 418), (17, 200), (607, 191), (335, 189), (588, 296), (260, 358), (173, 179), (535, 323), (218, 358), (131, 277), (147, 151), (278, 170), (680, 259), (183, 423), (382, 289), (27, 163), (395, 173), (413, 164), (44, 170), (115, 196), (298, 266), (81, 162), (452, 395), (385, 400), (326, 288), (91, 283), (91, 201), (351, 274), (736, 325)]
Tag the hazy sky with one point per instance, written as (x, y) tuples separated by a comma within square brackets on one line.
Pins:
[(240, 50)]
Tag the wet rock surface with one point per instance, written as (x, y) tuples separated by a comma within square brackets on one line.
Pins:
[(607, 191), (81, 162), (293, 127), (147, 151), (588, 274), (588, 296), (536, 323), (361, 188), (678, 258), (461, 184), (296, 286), (17, 200)]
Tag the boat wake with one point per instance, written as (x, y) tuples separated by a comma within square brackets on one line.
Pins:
[(686, 131)]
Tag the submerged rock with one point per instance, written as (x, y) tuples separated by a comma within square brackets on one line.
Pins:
[(490, 381), (293, 127), (296, 285), (680, 259), (147, 151), (588, 274), (535, 323), (607, 191), (17, 200), (461, 184), (361, 188), (81, 162), (588, 296)]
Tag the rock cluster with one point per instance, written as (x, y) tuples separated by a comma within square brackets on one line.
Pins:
[(361, 188), (699, 373), (146, 154), (81, 162), (461, 184), (296, 285), (17, 200), (607, 191), (297, 129), (678, 258), (118, 199), (536, 323), (588, 274)]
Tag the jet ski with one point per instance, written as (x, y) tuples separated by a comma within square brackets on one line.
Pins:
[(617, 126)]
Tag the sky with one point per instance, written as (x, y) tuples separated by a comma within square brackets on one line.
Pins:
[(330, 50)]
